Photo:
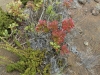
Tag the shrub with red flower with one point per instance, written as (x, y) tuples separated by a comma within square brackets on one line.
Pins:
[(57, 35)]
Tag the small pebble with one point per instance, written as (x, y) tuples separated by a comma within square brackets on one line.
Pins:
[(82, 1), (97, 1), (86, 43), (88, 1)]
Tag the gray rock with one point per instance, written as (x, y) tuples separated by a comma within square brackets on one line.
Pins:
[(95, 12), (88, 1), (82, 1), (74, 50), (98, 6), (86, 43)]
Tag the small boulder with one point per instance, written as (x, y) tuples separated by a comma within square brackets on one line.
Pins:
[(97, 1), (95, 12)]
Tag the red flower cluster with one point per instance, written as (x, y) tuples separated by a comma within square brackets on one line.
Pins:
[(42, 26), (58, 35), (64, 50), (67, 24), (53, 25)]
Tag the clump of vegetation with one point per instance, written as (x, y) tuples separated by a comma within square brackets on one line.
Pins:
[(35, 4), (5, 21), (57, 34), (30, 61), (15, 9)]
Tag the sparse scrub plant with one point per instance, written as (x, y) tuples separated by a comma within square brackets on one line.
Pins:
[(50, 21)]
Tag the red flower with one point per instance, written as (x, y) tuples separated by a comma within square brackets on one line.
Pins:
[(64, 50), (42, 22), (62, 33), (55, 33), (42, 26), (71, 23), (53, 25), (67, 24), (58, 36)]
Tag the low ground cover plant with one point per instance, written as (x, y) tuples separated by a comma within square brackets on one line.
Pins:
[(5, 22), (30, 61)]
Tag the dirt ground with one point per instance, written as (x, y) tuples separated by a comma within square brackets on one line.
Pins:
[(88, 27), (3, 3)]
